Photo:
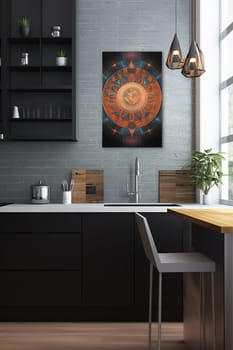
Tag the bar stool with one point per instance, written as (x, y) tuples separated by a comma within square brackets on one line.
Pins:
[(168, 263)]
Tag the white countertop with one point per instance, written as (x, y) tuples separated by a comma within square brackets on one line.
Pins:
[(95, 208)]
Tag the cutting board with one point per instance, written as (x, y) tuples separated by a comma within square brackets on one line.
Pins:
[(176, 186), (88, 186)]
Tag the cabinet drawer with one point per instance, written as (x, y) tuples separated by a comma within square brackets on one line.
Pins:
[(40, 222), (40, 251), (40, 288)]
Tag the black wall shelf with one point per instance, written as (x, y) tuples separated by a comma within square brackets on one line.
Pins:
[(56, 41), (42, 89), (41, 83), (23, 120), (25, 68), (24, 40), (57, 68)]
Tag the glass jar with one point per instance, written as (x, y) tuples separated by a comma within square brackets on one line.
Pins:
[(24, 59), (56, 31)]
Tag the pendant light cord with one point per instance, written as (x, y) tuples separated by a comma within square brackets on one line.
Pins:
[(191, 7), (176, 16), (194, 61), (192, 20)]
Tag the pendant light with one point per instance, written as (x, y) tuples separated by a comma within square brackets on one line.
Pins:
[(175, 58), (194, 61)]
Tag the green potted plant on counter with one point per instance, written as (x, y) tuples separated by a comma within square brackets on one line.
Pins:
[(24, 27), (206, 170)]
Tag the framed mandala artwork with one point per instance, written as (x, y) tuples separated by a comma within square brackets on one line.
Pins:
[(132, 99)]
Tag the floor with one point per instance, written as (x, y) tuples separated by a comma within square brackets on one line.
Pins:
[(86, 336)]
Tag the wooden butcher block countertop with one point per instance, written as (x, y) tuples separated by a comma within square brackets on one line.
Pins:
[(219, 220)]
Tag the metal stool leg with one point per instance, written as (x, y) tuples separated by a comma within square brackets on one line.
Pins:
[(202, 314), (213, 311), (150, 304), (160, 310)]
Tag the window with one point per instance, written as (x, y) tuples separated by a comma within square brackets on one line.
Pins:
[(226, 96), (226, 13)]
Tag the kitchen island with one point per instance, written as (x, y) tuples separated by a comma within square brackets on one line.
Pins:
[(85, 262), (212, 233)]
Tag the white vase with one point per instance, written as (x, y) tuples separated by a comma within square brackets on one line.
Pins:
[(61, 61), (206, 200)]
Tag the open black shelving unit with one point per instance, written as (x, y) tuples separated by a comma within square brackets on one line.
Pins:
[(44, 91)]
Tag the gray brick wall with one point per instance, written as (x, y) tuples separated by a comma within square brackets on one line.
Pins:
[(110, 25)]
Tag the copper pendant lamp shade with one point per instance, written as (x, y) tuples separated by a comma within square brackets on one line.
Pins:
[(194, 62), (175, 58), (193, 65)]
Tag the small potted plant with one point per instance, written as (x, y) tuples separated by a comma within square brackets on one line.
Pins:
[(24, 27), (61, 58), (206, 170)]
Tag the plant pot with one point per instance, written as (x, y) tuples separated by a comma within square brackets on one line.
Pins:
[(61, 61), (24, 31), (206, 199)]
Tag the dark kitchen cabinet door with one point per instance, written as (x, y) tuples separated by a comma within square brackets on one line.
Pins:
[(40, 288), (41, 223), (40, 251), (108, 259), (167, 231), (40, 261)]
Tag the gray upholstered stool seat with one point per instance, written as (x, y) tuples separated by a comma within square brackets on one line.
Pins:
[(185, 262)]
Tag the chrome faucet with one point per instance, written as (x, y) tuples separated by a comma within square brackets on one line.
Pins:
[(135, 193)]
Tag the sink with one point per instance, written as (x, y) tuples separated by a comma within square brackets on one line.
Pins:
[(141, 205)]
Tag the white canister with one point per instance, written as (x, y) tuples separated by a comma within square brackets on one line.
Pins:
[(66, 197)]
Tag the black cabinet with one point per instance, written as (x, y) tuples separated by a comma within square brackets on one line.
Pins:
[(40, 288), (40, 260), (108, 260), (43, 91), (40, 251), (1, 95), (83, 267)]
